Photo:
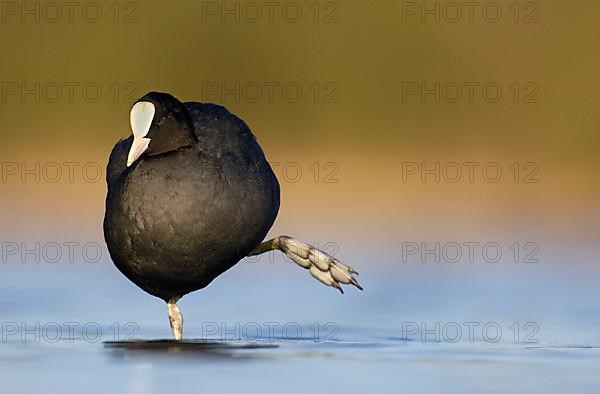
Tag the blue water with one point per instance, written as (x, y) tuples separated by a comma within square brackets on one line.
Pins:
[(269, 327)]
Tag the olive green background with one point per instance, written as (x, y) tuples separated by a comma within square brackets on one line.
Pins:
[(360, 136)]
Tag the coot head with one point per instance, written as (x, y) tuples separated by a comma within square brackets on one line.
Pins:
[(160, 124)]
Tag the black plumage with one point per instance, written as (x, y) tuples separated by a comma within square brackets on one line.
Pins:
[(200, 198)]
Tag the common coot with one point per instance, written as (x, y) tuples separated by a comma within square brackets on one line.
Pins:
[(190, 194)]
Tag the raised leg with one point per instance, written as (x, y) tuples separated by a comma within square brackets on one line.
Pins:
[(326, 269), (175, 319)]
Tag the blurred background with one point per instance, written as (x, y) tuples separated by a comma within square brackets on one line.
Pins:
[(446, 150)]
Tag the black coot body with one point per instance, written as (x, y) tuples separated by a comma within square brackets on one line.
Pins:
[(200, 200)]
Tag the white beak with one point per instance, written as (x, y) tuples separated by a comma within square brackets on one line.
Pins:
[(141, 117), (139, 146)]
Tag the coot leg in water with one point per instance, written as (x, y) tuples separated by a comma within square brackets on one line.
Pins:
[(190, 194)]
